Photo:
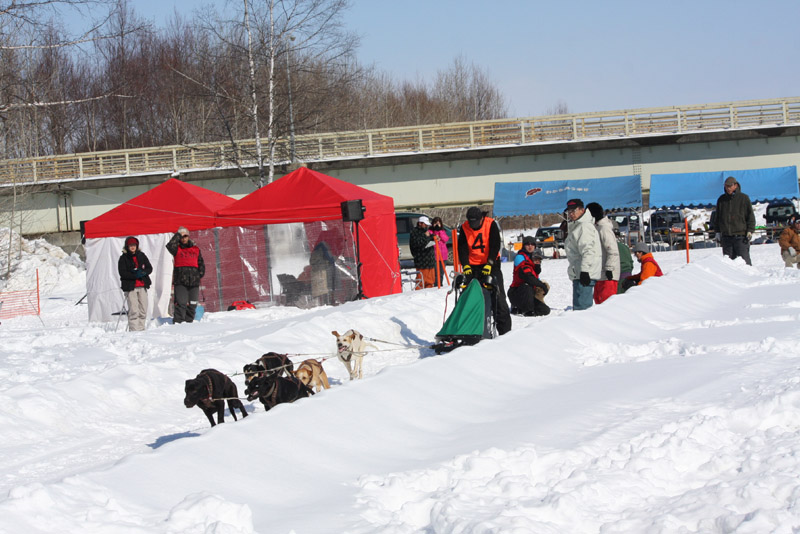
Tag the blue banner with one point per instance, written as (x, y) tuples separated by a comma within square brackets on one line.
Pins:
[(533, 198), (695, 189)]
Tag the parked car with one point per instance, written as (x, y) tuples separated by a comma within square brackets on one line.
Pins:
[(405, 222), (667, 226), (779, 212), (549, 236), (628, 225)]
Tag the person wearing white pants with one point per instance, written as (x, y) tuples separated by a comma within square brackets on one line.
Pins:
[(134, 273)]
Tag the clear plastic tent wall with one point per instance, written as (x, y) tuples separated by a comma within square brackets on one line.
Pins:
[(294, 264)]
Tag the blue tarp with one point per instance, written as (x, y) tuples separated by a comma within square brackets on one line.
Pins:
[(533, 198), (696, 189)]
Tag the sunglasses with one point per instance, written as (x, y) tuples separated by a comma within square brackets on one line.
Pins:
[(184, 236)]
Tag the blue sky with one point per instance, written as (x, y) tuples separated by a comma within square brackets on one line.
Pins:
[(592, 55)]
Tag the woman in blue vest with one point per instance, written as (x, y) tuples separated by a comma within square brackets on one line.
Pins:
[(188, 269)]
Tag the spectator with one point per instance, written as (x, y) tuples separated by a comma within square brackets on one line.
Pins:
[(421, 242), (625, 265), (735, 221), (527, 291), (479, 245), (608, 284), (789, 242), (188, 269), (134, 274), (527, 250), (649, 266), (437, 228), (584, 254)]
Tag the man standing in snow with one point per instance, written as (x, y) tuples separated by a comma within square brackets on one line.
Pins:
[(134, 274), (479, 245), (607, 285), (583, 254), (188, 269), (735, 221)]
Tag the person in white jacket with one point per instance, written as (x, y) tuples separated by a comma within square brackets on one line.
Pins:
[(584, 255), (609, 280)]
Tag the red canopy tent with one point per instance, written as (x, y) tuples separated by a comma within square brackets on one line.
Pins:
[(153, 217), (306, 196), (161, 209)]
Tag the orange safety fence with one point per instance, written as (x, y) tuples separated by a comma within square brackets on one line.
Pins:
[(19, 303)]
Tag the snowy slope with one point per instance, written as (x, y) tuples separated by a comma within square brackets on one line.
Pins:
[(672, 408)]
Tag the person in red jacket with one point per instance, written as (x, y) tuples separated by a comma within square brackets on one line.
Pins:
[(527, 291), (188, 269), (649, 266)]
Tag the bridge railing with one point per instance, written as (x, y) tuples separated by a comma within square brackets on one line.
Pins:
[(426, 138)]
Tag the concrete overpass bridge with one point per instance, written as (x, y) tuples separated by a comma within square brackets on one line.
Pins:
[(423, 166)]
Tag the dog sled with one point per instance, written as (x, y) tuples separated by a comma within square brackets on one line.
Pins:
[(471, 319)]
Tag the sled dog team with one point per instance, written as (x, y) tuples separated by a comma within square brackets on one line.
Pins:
[(272, 379)]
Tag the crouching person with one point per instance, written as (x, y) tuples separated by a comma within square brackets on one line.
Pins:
[(527, 291), (789, 241), (649, 266)]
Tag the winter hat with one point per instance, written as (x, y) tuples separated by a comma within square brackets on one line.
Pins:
[(640, 246), (474, 214), (183, 231), (537, 255), (424, 220), (596, 210), (130, 240), (574, 203), (528, 240), (730, 180), (474, 217)]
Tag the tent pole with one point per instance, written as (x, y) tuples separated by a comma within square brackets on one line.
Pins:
[(360, 294)]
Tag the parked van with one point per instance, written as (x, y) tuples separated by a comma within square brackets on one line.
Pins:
[(628, 225)]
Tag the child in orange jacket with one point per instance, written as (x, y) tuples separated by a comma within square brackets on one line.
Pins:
[(649, 266)]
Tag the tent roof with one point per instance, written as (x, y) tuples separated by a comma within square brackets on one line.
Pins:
[(301, 196), (161, 209), (704, 188), (532, 198)]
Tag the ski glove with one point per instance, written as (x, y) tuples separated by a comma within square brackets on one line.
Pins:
[(609, 275), (792, 252), (468, 270), (749, 235), (585, 280), (487, 270), (140, 273)]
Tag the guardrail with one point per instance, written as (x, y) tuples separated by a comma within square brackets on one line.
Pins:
[(427, 138)]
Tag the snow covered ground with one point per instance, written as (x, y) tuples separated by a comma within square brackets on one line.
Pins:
[(673, 408)]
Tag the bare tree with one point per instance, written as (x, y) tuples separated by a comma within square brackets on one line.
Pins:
[(559, 108), (36, 84), (468, 93)]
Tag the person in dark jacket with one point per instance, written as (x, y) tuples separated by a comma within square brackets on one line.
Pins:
[(527, 291), (479, 243), (735, 221), (134, 274), (421, 242), (188, 270)]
